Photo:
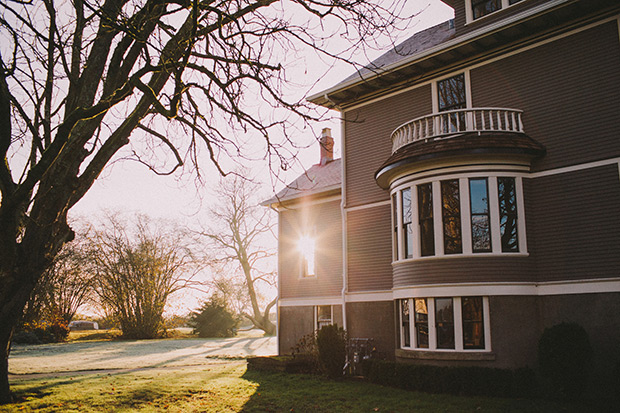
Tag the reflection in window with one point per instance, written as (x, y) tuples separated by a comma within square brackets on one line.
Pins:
[(444, 320), (307, 249), (451, 96), (395, 222), (323, 316), (407, 220), (480, 218), (421, 322), (473, 323), (404, 305), (451, 213), (425, 208), (508, 214), (484, 7)]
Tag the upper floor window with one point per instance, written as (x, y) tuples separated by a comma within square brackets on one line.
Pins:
[(451, 95), (481, 8), (306, 248), (459, 215)]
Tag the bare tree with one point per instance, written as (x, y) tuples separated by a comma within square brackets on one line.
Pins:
[(238, 232), (64, 287), (137, 270), (79, 79)]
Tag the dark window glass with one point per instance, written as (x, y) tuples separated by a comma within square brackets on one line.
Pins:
[(451, 214), (508, 214), (425, 208), (444, 319), (480, 219), (483, 7), (407, 222), (473, 323), (511, 2), (395, 220), (421, 322), (404, 306), (452, 97)]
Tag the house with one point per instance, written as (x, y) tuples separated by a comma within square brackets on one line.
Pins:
[(477, 201)]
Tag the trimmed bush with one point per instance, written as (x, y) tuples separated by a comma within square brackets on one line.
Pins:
[(214, 320), (332, 345), (565, 358), (469, 381)]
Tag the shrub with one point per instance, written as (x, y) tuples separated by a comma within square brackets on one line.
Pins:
[(213, 319), (306, 355), (565, 358), (469, 381), (54, 331), (332, 345)]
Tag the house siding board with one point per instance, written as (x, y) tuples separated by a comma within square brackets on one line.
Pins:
[(326, 220), (374, 320), (294, 323), (573, 226), (369, 249), (565, 88), (463, 270), (368, 145)]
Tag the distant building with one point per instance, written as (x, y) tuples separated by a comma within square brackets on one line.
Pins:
[(83, 325), (477, 200)]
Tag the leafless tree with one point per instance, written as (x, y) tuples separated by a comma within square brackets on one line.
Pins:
[(239, 232), (138, 266), (64, 287), (79, 80)]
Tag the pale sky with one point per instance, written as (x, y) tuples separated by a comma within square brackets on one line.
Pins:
[(130, 187)]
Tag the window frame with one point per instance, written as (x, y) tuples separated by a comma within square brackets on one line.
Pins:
[(466, 230), (469, 10), (317, 320), (304, 264), (457, 325)]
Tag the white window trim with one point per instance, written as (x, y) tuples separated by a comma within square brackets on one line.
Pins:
[(316, 315), (465, 217), (434, 93), (432, 327), (469, 11)]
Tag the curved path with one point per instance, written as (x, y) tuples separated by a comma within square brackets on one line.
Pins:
[(134, 354)]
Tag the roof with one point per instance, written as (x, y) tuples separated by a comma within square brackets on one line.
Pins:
[(417, 43), (469, 143), (319, 179)]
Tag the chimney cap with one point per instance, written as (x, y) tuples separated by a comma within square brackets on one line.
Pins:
[(326, 143)]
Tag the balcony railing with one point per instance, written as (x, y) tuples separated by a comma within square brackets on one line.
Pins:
[(458, 121)]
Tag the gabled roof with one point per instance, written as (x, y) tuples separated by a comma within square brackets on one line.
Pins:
[(318, 180), (417, 43)]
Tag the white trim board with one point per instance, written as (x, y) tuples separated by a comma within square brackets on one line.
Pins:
[(309, 301)]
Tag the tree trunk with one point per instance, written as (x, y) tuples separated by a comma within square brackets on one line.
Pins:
[(5, 390)]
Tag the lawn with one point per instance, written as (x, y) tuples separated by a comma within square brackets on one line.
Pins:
[(226, 386)]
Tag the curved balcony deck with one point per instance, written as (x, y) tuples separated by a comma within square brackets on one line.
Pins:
[(455, 122)]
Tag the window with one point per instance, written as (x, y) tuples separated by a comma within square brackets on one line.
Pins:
[(323, 316), (451, 214), (452, 96), (473, 323), (446, 324), (480, 217), (421, 322), (306, 248), (460, 215), (395, 225), (508, 214), (480, 8), (425, 212), (407, 222), (404, 317)]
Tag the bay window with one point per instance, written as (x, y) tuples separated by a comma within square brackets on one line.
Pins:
[(461, 215), (445, 323)]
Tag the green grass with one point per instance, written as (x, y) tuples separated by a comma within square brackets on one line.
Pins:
[(226, 386)]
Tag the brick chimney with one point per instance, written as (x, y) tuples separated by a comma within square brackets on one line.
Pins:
[(327, 146)]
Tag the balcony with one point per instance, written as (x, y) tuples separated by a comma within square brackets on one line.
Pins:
[(455, 122)]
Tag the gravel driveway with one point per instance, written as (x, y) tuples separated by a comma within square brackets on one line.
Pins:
[(99, 355)]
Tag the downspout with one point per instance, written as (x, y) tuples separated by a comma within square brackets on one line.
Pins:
[(343, 213), (277, 278)]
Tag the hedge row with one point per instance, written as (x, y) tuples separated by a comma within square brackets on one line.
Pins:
[(470, 381)]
